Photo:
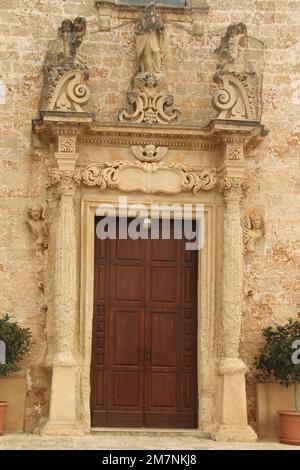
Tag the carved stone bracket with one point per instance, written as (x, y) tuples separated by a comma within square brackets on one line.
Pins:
[(236, 97), (253, 229), (148, 177), (148, 103), (66, 88)]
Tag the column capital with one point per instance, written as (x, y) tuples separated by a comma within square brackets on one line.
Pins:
[(233, 188), (66, 181)]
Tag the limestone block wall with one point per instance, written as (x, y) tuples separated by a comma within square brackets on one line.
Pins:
[(26, 26)]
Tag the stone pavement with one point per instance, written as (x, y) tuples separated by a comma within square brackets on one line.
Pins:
[(129, 441)]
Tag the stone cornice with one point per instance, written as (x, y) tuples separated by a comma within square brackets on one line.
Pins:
[(50, 124)]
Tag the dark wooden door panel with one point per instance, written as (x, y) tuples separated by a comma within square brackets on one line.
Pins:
[(143, 370)]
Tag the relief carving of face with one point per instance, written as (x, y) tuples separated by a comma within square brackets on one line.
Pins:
[(255, 220), (35, 212)]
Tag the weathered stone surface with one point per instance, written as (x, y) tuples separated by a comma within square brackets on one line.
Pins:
[(189, 63)]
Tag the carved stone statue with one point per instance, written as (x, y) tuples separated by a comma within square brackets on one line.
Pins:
[(237, 94), (232, 42), (149, 31), (147, 102), (150, 153), (63, 50), (253, 230), (39, 218), (65, 70)]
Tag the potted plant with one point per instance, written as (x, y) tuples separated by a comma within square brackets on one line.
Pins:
[(279, 359), (15, 343)]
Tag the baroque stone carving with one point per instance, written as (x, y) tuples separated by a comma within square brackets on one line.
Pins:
[(148, 102), (150, 153), (39, 218), (253, 230), (67, 144), (66, 181), (65, 71), (149, 30), (238, 86), (148, 177), (233, 187)]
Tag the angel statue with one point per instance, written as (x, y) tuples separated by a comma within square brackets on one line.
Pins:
[(40, 218), (149, 32), (64, 49), (150, 153), (253, 230), (232, 42)]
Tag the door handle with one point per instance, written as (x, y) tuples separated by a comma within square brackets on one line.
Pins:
[(147, 353)]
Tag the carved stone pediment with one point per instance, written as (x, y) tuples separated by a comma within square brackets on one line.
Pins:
[(65, 70), (148, 177), (66, 88), (237, 97)]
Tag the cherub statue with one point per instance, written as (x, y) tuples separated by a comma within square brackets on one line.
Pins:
[(253, 230), (149, 32), (38, 223), (64, 49), (150, 153)]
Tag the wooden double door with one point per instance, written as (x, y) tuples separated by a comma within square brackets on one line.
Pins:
[(144, 352)]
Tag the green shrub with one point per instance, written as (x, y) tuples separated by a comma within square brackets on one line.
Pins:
[(274, 361), (17, 342)]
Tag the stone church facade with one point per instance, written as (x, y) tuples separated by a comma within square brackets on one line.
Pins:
[(187, 104)]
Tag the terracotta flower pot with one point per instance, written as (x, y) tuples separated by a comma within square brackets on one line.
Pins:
[(3, 406), (289, 427)]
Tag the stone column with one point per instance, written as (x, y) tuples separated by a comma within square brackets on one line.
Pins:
[(64, 415), (231, 393)]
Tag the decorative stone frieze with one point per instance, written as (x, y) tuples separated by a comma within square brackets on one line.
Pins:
[(150, 153), (148, 177), (253, 229), (237, 97)]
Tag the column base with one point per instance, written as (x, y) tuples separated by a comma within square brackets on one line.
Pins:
[(62, 428), (232, 433)]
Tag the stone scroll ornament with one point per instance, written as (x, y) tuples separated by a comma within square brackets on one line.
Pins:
[(253, 230), (148, 177), (237, 95), (65, 70), (148, 102)]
